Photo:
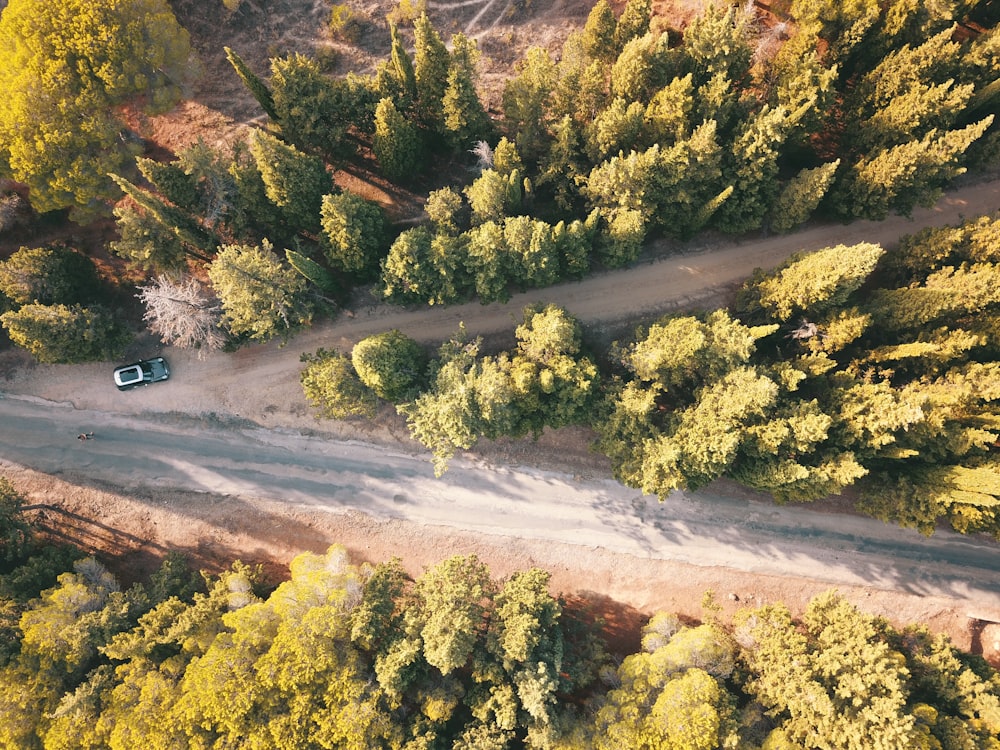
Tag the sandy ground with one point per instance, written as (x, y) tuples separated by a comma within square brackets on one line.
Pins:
[(217, 515)]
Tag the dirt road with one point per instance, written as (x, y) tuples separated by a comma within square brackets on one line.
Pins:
[(722, 526)]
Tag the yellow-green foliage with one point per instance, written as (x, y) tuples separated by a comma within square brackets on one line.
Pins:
[(66, 69)]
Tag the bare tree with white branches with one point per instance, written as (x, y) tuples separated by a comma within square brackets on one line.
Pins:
[(183, 312)]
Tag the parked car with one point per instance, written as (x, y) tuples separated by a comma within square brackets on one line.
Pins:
[(143, 372)]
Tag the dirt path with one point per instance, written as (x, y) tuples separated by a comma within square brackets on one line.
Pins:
[(260, 383)]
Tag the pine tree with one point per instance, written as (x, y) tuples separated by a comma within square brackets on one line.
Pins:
[(396, 143), (622, 235), (840, 678), (402, 67), (312, 271), (316, 111), (445, 418), (49, 276), (804, 85), (354, 232), (752, 169), (801, 195), (261, 296), (431, 61), (145, 242), (532, 246), (809, 283), (616, 129), (254, 84), (599, 33), (669, 112), (844, 26), (446, 210), (633, 75), (904, 176), (633, 22), (294, 182), (488, 262), (66, 334), (561, 169), (68, 72), (910, 92), (465, 119), (685, 182), (332, 386), (198, 243), (492, 196), (717, 42), (391, 364), (170, 179), (526, 102)]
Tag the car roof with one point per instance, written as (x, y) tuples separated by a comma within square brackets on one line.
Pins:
[(128, 373)]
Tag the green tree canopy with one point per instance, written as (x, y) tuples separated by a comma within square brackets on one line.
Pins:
[(294, 182), (315, 111), (67, 333), (354, 232), (397, 144), (48, 276), (431, 62), (68, 69), (841, 678), (526, 102), (465, 118), (331, 384), (812, 282), (391, 364), (261, 296)]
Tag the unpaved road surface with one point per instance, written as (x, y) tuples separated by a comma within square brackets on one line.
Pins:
[(237, 426), (261, 383), (733, 530)]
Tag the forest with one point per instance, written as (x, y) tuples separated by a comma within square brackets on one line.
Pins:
[(362, 656), (851, 367), (847, 368)]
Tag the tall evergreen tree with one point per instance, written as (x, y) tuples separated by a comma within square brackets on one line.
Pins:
[(316, 111), (331, 384), (197, 242), (402, 67), (904, 176), (295, 182), (526, 102), (354, 232), (66, 334), (752, 169), (391, 364), (633, 22), (261, 296), (718, 41), (465, 118), (599, 33), (801, 195), (431, 62), (397, 144), (254, 84)]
